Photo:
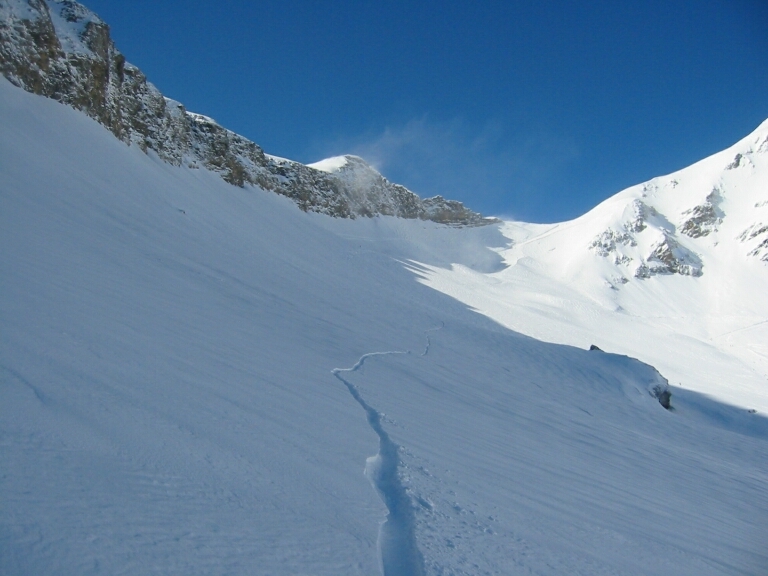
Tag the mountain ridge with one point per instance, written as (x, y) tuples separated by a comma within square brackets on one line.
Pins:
[(62, 50), (673, 271)]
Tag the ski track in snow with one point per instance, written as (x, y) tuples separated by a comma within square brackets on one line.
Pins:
[(25, 382), (399, 553), (426, 335)]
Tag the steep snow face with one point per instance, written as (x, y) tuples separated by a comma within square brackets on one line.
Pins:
[(673, 271), (62, 50), (195, 377)]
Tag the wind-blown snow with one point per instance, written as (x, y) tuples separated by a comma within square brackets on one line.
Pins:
[(330, 164), (169, 407)]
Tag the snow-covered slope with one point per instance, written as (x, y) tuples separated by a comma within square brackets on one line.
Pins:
[(673, 271), (194, 377)]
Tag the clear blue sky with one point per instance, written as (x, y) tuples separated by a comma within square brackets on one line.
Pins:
[(536, 110)]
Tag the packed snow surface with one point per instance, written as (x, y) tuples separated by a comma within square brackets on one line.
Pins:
[(198, 378)]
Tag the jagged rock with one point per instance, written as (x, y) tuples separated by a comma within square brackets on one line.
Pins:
[(605, 243), (639, 215), (759, 231), (370, 193), (753, 232), (701, 222), (736, 162), (704, 218), (760, 251), (62, 50), (762, 148), (668, 257)]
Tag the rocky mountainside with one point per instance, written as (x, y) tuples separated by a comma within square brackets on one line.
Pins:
[(62, 50), (682, 224), (669, 223), (673, 271)]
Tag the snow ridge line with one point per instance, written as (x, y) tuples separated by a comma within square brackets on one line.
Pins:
[(399, 554)]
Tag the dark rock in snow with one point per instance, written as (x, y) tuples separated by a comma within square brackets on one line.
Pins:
[(703, 219)]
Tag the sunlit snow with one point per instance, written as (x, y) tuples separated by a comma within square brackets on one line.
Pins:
[(707, 333), (196, 377)]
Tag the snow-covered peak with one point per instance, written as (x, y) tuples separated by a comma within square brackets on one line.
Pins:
[(673, 270), (353, 170), (345, 164), (682, 223), (330, 165)]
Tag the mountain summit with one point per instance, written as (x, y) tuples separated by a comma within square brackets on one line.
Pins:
[(62, 50)]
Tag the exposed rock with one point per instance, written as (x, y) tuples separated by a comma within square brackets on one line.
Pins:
[(737, 161), (703, 219), (668, 257), (753, 232), (639, 215), (605, 243), (621, 259), (643, 271), (62, 50), (665, 398), (759, 232), (760, 251)]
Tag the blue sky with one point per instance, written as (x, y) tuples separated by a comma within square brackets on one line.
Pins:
[(532, 110)]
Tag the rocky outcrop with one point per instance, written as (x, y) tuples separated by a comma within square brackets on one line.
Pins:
[(62, 50), (606, 242), (647, 237), (703, 219), (668, 257), (369, 193), (756, 236), (639, 214)]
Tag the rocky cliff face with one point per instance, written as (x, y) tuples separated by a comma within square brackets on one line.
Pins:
[(62, 50)]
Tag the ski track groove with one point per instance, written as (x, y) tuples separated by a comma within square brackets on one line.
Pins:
[(398, 552)]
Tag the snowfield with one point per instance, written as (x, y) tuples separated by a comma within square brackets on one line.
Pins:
[(673, 271), (202, 379)]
